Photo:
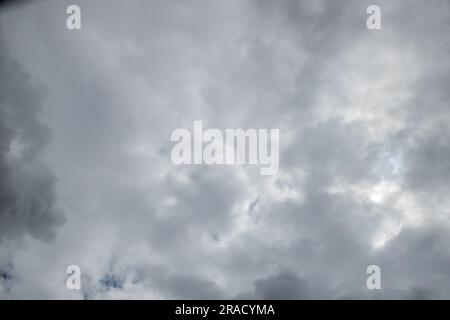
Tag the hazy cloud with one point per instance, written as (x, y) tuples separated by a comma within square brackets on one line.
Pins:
[(364, 148)]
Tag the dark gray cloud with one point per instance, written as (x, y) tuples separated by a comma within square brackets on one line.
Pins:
[(6, 275), (285, 285), (27, 199)]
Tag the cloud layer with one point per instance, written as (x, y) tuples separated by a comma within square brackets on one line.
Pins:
[(364, 149)]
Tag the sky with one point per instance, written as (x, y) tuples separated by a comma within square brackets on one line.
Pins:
[(86, 176)]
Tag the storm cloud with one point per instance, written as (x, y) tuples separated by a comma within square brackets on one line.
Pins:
[(27, 199)]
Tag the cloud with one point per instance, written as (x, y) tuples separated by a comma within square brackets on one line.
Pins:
[(6, 275), (363, 122), (285, 285), (27, 198)]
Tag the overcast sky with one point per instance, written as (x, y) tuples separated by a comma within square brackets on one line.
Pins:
[(86, 176)]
